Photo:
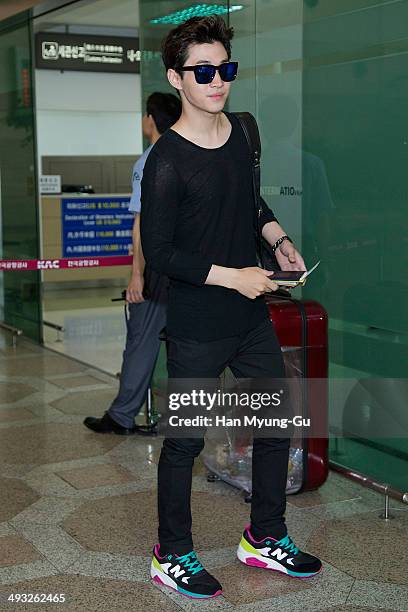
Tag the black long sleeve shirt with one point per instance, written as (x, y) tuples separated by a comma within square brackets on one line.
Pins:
[(197, 210)]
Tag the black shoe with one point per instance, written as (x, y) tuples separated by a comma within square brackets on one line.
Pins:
[(107, 425), (184, 574), (146, 430), (279, 555)]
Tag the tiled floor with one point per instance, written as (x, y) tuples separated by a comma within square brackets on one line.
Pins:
[(78, 513)]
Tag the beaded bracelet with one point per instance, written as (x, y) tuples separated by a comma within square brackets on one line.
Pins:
[(279, 242)]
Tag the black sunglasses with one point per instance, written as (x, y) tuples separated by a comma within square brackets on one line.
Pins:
[(205, 73)]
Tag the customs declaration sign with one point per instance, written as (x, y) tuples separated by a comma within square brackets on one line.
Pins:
[(96, 226), (54, 51)]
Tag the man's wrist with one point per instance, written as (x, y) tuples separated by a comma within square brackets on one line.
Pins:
[(137, 273), (231, 278), (272, 231), (223, 276), (280, 241)]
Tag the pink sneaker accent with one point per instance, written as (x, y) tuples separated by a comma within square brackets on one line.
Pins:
[(217, 594), (156, 552), (253, 562), (247, 528)]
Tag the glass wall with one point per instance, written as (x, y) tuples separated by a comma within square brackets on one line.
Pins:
[(327, 84), (268, 45), (354, 121), (150, 36), (19, 291)]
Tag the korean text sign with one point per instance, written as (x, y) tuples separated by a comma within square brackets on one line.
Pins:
[(57, 51), (96, 226)]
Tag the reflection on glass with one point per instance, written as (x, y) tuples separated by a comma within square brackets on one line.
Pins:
[(297, 179), (354, 118), (328, 87), (18, 198)]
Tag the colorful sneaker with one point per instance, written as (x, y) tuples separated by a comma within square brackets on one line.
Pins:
[(279, 555), (184, 574)]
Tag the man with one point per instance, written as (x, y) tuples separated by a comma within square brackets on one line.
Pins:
[(147, 317), (197, 228)]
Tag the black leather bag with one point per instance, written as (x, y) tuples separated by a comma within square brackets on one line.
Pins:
[(265, 255)]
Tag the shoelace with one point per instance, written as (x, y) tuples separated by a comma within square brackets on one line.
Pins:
[(191, 562), (288, 543)]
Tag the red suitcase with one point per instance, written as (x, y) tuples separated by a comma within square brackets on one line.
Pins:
[(303, 324), (301, 327)]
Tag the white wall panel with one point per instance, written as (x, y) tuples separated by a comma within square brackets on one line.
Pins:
[(82, 113), (86, 133)]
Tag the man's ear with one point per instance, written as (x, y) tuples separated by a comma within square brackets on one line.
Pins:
[(174, 79), (153, 123)]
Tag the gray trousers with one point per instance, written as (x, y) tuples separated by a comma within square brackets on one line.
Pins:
[(144, 324)]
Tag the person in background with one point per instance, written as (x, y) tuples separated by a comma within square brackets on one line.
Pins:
[(147, 315)]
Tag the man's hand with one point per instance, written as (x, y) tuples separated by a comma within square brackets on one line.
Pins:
[(134, 291), (252, 282), (288, 257)]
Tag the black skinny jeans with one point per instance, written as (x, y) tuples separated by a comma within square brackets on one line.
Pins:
[(255, 354)]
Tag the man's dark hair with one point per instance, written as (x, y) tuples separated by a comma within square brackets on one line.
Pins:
[(165, 108), (195, 31)]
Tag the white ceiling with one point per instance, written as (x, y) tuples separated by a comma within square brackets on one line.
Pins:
[(108, 13)]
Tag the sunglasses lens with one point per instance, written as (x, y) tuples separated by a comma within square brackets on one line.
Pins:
[(204, 74), (228, 71)]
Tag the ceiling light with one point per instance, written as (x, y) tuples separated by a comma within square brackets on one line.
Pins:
[(197, 10)]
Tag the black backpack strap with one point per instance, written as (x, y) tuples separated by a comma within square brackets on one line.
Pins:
[(250, 128)]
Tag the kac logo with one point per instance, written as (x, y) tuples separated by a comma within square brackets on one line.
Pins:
[(48, 264)]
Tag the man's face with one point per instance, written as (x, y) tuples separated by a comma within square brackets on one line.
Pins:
[(212, 96)]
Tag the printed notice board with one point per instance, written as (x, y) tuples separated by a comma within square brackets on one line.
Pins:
[(96, 226)]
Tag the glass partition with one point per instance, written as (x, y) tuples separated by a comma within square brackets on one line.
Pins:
[(19, 291), (268, 46), (328, 88), (354, 122)]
